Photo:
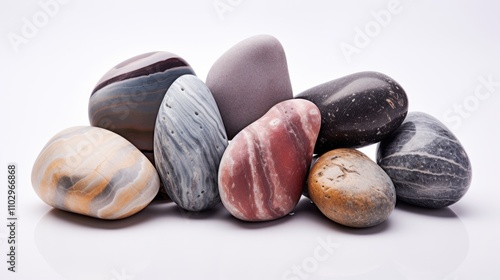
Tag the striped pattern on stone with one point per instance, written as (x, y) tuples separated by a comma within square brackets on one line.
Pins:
[(127, 98), (189, 141), (264, 168), (426, 162), (94, 172)]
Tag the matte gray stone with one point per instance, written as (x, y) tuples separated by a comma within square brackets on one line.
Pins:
[(249, 79), (426, 162), (189, 141)]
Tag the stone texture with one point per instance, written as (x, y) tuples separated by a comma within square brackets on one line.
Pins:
[(127, 98), (350, 189), (189, 142), (248, 80), (264, 168), (426, 162), (94, 172), (357, 110), (313, 161)]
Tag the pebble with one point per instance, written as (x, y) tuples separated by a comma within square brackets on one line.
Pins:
[(350, 189), (189, 141), (94, 172), (426, 162), (357, 110), (127, 98), (248, 80), (264, 168)]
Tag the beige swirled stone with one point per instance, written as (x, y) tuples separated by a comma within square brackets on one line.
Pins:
[(94, 172)]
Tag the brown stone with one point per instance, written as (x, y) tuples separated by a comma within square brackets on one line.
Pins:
[(350, 189)]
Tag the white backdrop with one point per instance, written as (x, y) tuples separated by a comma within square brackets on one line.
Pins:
[(445, 55)]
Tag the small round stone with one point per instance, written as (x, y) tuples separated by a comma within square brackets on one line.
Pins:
[(248, 80), (94, 172), (350, 189), (426, 162), (357, 110), (189, 142), (127, 98), (264, 168)]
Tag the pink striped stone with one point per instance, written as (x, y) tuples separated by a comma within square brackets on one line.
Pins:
[(264, 168)]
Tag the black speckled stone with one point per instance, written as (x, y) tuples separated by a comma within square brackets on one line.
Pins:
[(427, 164), (357, 110)]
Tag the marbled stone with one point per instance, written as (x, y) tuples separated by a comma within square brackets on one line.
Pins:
[(264, 168), (94, 172), (350, 189), (189, 141), (127, 98), (248, 80), (426, 162), (357, 110)]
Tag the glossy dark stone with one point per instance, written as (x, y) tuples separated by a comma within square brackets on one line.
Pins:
[(426, 162), (357, 110)]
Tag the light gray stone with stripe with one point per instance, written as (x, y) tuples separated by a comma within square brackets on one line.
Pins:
[(426, 162), (189, 141)]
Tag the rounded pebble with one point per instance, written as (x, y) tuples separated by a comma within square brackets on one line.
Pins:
[(426, 162), (264, 168), (350, 189), (94, 172), (357, 110), (127, 98), (189, 142), (248, 80)]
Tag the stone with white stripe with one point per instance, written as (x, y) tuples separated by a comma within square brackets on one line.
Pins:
[(189, 141), (264, 168), (426, 162)]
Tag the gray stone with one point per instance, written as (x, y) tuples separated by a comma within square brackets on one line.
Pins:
[(426, 162), (249, 79), (127, 98), (189, 141)]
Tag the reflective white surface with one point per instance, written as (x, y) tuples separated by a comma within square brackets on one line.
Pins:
[(445, 55)]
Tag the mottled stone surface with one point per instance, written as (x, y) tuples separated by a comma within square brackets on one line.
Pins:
[(357, 110), (127, 98), (350, 189), (426, 162), (264, 168), (248, 80), (189, 142), (94, 172)]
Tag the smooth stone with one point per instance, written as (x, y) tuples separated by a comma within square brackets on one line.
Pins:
[(264, 168), (94, 172), (426, 162), (313, 161), (357, 110), (248, 80), (189, 141), (127, 98), (350, 189)]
